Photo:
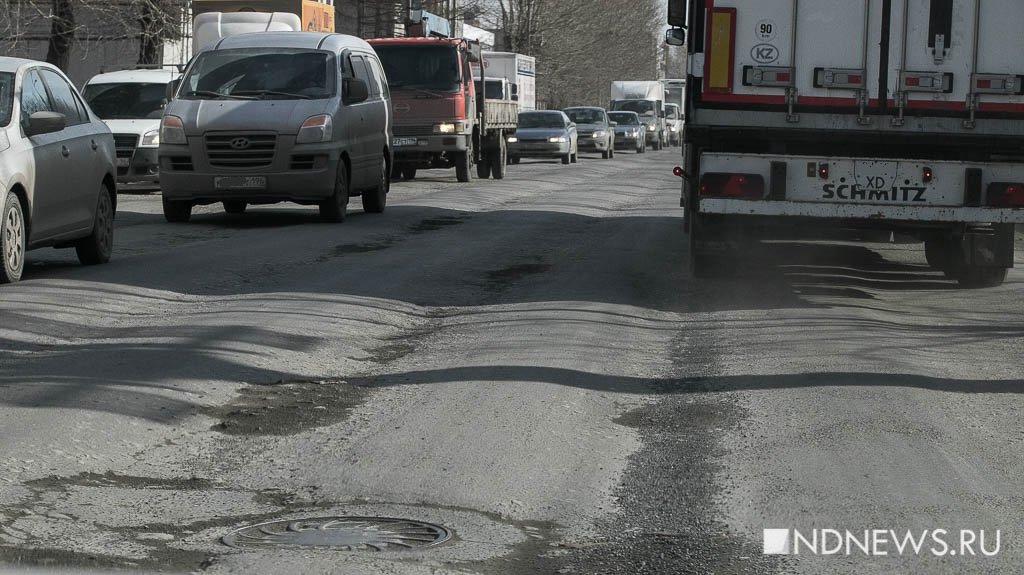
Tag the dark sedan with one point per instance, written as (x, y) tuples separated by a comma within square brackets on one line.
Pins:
[(629, 131)]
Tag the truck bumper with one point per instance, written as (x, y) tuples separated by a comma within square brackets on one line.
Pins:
[(904, 213), (438, 144)]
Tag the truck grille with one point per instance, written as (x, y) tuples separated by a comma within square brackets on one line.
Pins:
[(125, 144), (240, 150), (404, 131)]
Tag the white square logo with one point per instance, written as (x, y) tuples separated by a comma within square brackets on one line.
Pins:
[(777, 542)]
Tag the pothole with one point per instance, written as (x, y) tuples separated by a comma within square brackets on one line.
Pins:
[(286, 408), (341, 533)]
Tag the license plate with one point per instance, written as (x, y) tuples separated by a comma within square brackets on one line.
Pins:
[(404, 142), (240, 182), (123, 162)]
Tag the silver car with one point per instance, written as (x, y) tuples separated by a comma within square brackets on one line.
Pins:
[(596, 131), (544, 134), (629, 131), (57, 168)]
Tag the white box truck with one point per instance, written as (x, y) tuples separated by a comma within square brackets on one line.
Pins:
[(646, 98), (519, 70), (904, 116)]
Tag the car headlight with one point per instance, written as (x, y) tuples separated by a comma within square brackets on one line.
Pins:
[(512, 139), (674, 128), (150, 139), (557, 140), (172, 131), (450, 128), (652, 128), (316, 129), (599, 134)]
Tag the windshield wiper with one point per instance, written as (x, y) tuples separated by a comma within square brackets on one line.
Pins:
[(274, 93), (212, 94)]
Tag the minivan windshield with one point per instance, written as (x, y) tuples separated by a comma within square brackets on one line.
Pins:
[(260, 74), (541, 120), (624, 118), (126, 101), (6, 97), (642, 107), (417, 67)]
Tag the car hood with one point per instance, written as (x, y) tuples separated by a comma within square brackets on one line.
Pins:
[(589, 128), (540, 132), (280, 116), (139, 127), (627, 127)]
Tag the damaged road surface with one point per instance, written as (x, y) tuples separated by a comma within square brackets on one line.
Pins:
[(501, 377)]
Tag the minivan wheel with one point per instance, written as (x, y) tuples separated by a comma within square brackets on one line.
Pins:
[(12, 239), (97, 247), (335, 208), (234, 206), (374, 200), (176, 211)]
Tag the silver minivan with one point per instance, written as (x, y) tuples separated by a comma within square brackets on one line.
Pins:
[(278, 116)]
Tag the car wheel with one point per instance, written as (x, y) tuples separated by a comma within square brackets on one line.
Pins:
[(97, 247), (605, 155), (12, 239), (376, 199), (611, 151), (234, 206), (335, 208), (176, 211)]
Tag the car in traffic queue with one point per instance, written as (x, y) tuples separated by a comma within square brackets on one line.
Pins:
[(594, 129), (544, 134), (629, 131), (131, 103), (57, 169), (268, 117)]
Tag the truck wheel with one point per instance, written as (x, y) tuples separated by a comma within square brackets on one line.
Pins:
[(97, 246), (234, 206), (463, 165), (974, 277), (12, 239), (176, 211), (409, 173), (937, 252), (483, 169), (498, 159), (335, 208), (376, 199), (396, 172), (513, 160)]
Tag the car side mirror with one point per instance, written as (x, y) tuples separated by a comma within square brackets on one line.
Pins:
[(613, 124), (355, 90), (44, 123), (172, 89), (572, 124), (675, 37)]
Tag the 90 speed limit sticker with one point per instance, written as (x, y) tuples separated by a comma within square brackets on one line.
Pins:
[(766, 30)]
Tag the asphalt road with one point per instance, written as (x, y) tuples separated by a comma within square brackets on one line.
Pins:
[(525, 363)]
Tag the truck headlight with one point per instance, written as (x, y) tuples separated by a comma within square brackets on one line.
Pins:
[(150, 139), (557, 139), (172, 131), (450, 128), (316, 129), (512, 139), (673, 128)]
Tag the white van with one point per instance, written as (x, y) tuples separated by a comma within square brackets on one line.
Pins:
[(131, 103)]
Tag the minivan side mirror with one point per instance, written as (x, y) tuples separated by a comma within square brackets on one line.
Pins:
[(172, 88), (355, 90), (44, 123), (675, 37)]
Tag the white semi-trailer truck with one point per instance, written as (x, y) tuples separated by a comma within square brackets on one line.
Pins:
[(899, 115)]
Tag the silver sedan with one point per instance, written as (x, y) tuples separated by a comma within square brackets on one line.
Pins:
[(57, 168), (544, 134)]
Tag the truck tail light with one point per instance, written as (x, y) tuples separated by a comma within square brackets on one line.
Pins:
[(823, 171), (678, 171), (926, 175), (742, 186), (1005, 195)]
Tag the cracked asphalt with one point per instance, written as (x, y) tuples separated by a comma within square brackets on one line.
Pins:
[(525, 362)]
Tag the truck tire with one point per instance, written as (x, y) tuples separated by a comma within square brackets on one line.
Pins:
[(234, 206), (376, 199), (937, 252), (335, 208), (975, 277), (499, 158), (483, 169), (176, 211), (408, 172), (463, 165), (514, 160)]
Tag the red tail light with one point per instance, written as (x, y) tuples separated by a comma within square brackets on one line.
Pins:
[(1005, 195), (926, 175), (678, 171), (823, 171), (745, 186)]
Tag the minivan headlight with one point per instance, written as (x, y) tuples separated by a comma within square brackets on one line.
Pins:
[(172, 131), (150, 139), (315, 130)]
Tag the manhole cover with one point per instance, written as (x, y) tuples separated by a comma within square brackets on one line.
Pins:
[(341, 533)]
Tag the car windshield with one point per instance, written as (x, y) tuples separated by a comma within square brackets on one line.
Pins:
[(417, 67), (585, 115), (624, 119), (260, 73), (126, 101), (642, 107), (541, 121), (6, 97)]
